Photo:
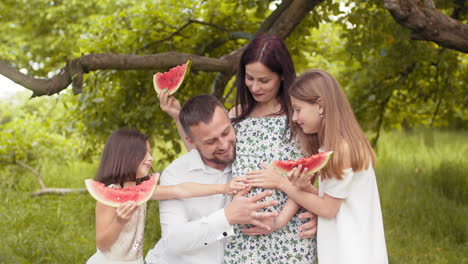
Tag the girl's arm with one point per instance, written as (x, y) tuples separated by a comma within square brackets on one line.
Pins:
[(288, 211), (325, 206), (191, 189), (110, 222), (171, 106)]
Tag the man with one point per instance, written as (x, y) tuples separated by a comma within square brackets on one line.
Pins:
[(193, 230)]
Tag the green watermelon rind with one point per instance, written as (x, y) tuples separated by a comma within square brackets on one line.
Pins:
[(286, 166), (95, 190), (188, 64)]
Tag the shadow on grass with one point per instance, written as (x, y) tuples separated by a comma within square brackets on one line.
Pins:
[(450, 178)]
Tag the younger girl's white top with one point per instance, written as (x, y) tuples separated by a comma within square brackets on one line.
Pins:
[(356, 234), (128, 249)]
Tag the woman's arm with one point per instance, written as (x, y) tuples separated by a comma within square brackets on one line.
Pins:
[(110, 222), (191, 189)]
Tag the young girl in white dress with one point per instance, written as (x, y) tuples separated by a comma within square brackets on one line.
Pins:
[(126, 160), (350, 227)]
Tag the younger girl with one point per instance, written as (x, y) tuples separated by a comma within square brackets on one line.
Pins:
[(350, 227), (126, 161)]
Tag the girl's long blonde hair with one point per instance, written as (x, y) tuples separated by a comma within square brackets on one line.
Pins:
[(339, 126)]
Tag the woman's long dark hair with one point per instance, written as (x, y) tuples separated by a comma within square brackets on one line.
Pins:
[(123, 153), (272, 52)]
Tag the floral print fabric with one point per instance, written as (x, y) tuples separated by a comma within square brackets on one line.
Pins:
[(263, 140)]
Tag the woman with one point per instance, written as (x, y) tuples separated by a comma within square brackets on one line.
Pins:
[(260, 118)]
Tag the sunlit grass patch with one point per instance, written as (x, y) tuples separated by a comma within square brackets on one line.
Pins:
[(422, 183)]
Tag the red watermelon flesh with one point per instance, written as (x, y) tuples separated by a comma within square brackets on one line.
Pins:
[(117, 196), (171, 79), (313, 163)]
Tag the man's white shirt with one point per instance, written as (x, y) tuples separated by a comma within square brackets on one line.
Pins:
[(192, 230)]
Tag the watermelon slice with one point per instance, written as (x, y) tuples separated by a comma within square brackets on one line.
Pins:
[(313, 163), (171, 79), (117, 196)]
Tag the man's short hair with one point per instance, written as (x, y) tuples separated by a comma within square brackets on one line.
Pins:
[(198, 109)]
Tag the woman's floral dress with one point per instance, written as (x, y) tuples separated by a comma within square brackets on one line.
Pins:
[(263, 140)]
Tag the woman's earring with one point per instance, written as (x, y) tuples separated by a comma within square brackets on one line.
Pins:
[(321, 116)]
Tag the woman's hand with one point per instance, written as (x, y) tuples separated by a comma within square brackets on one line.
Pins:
[(235, 185), (267, 178), (169, 104), (125, 211), (255, 231), (302, 179), (309, 229)]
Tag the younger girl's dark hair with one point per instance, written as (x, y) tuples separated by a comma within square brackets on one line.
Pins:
[(271, 51), (123, 153)]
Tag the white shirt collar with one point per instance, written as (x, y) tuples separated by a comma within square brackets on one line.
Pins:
[(196, 163)]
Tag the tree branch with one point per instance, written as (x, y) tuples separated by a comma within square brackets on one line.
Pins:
[(275, 15), (429, 24), (177, 32), (44, 189), (219, 84), (38, 175), (291, 16), (74, 70), (222, 40), (281, 22)]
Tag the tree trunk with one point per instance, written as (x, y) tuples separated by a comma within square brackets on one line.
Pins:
[(428, 23)]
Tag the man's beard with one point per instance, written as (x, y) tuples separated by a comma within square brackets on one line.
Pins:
[(220, 161)]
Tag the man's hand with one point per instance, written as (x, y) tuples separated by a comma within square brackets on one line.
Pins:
[(308, 229), (169, 104), (243, 209)]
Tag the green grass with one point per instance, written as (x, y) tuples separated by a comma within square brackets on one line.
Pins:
[(422, 182), (422, 178)]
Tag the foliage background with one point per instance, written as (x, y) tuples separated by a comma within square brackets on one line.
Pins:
[(410, 96)]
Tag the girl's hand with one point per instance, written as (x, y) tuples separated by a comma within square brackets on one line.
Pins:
[(301, 178), (125, 211), (267, 178), (235, 185), (169, 104), (255, 231)]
